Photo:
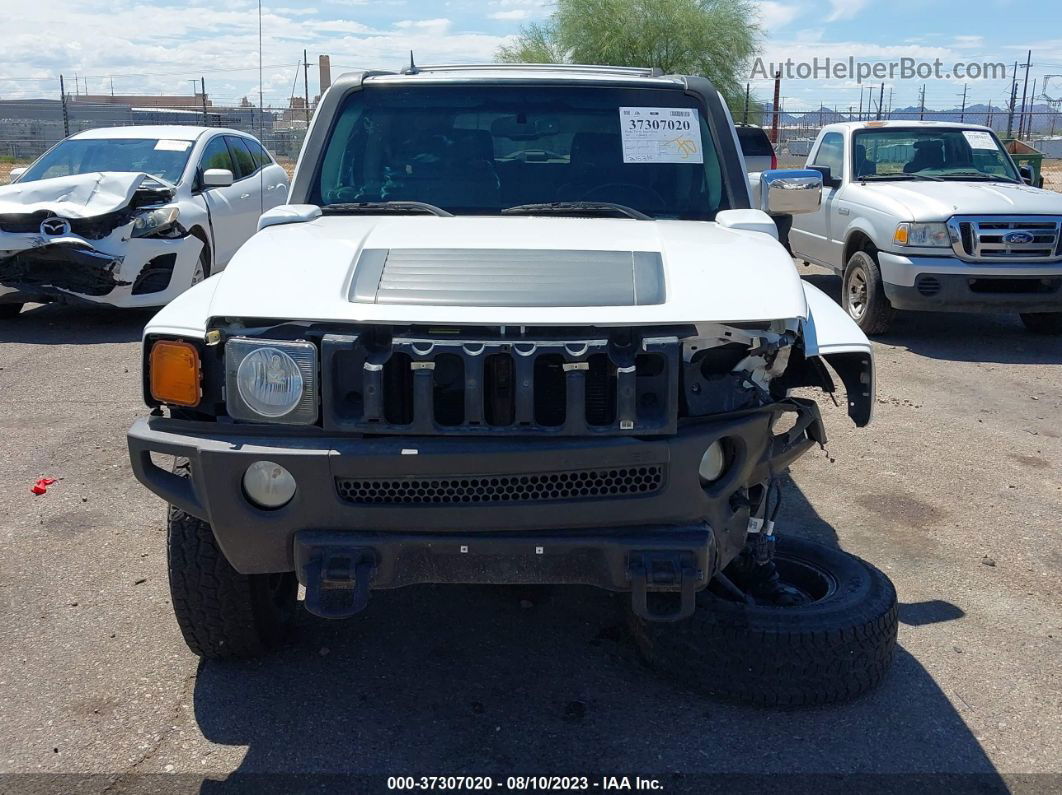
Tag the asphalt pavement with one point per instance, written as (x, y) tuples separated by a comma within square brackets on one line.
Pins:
[(955, 491)]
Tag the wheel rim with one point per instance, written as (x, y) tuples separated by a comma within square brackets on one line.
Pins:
[(199, 273), (813, 581), (857, 293)]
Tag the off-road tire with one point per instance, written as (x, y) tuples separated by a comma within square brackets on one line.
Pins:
[(221, 612), (1043, 322), (829, 651), (10, 310), (875, 314)]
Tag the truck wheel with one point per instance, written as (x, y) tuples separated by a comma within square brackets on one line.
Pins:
[(10, 310), (1043, 322), (833, 648), (863, 295), (221, 612)]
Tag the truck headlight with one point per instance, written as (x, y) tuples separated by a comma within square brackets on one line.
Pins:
[(922, 235), (151, 222), (271, 380)]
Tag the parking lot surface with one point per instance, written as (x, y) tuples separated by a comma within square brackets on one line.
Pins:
[(955, 491)]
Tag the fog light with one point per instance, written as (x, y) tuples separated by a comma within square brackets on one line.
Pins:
[(268, 485), (712, 463)]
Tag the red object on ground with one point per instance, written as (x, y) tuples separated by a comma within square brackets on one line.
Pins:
[(41, 486)]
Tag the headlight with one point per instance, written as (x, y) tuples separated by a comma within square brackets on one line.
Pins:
[(151, 221), (713, 462), (924, 235), (271, 380)]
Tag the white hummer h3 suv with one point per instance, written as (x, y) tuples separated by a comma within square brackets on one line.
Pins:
[(519, 325)]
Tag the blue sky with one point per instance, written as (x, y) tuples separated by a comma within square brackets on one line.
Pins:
[(158, 47)]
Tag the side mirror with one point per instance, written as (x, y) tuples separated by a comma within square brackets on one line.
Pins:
[(790, 191), (1025, 171), (828, 179), (217, 178), (15, 173)]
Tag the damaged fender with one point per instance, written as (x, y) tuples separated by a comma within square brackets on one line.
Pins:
[(835, 338)]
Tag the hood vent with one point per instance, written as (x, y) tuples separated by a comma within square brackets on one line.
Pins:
[(508, 277)]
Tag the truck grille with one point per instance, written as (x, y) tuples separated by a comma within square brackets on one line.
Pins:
[(990, 238), (473, 490), (431, 386)]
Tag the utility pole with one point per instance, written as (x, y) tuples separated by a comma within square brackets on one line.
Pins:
[(306, 86), (889, 112), (962, 112), (777, 98), (1030, 118), (1024, 91), (66, 116), (112, 87), (988, 118), (202, 82), (922, 104), (881, 98), (850, 109), (745, 118), (860, 104), (1013, 100)]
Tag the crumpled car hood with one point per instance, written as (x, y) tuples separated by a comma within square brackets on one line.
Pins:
[(77, 196), (938, 201), (310, 271)]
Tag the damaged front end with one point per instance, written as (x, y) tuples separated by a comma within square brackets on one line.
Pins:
[(91, 250)]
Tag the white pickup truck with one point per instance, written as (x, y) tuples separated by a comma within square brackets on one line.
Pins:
[(932, 216)]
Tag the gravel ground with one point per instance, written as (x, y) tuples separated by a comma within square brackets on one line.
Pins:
[(954, 491)]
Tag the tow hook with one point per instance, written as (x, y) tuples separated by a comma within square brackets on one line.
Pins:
[(666, 571), (337, 581)]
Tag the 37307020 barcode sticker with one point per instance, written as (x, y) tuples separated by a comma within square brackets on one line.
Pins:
[(661, 135)]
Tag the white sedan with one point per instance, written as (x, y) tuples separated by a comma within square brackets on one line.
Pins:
[(131, 216)]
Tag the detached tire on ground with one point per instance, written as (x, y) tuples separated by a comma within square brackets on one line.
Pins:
[(833, 649), (1043, 322), (10, 310), (221, 612)]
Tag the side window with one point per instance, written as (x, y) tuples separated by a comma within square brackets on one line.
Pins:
[(241, 155), (216, 155), (831, 153), (258, 152)]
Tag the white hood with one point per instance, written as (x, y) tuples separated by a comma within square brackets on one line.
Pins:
[(938, 201), (76, 196), (305, 270)]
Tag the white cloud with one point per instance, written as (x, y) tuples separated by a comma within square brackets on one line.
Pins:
[(775, 15), (845, 9), (511, 14)]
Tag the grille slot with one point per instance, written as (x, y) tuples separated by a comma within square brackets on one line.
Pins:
[(477, 490), (928, 285), (1006, 238)]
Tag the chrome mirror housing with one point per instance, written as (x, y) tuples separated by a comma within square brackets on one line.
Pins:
[(785, 191)]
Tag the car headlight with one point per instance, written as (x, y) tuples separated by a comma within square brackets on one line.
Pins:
[(922, 235), (271, 380), (151, 222)]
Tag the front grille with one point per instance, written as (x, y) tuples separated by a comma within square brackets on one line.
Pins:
[(479, 489), (1033, 238), (620, 383)]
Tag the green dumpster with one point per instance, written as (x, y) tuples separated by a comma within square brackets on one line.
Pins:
[(1024, 155)]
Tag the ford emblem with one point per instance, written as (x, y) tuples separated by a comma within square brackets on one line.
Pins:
[(1017, 238)]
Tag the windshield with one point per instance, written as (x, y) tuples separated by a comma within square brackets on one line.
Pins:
[(948, 153), (159, 158), (481, 149)]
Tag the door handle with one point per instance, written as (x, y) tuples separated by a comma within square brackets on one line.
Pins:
[(245, 195), (843, 211)]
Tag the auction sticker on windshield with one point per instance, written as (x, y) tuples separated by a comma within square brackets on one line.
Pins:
[(979, 140), (661, 135)]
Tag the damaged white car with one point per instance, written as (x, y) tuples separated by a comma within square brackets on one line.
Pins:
[(131, 216)]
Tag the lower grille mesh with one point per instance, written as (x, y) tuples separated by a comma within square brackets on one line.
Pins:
[(541, 487)]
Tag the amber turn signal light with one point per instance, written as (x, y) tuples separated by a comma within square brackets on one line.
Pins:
[(174, 373)]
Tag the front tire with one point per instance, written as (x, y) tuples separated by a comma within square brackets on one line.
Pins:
[(832, 649), (1043, 322), (8, 311), (221, 612), (863, 294)]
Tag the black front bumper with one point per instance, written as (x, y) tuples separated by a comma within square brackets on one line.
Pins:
[(949, 292), (545, 534)]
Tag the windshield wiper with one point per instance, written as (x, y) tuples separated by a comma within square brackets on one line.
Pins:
[(869, 177), (372, 208), (978, 175), (567, 208)]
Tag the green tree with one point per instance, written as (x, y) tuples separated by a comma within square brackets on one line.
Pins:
[(713, 38)]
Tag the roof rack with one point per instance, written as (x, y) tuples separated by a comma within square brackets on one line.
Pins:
[(634, 71)]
